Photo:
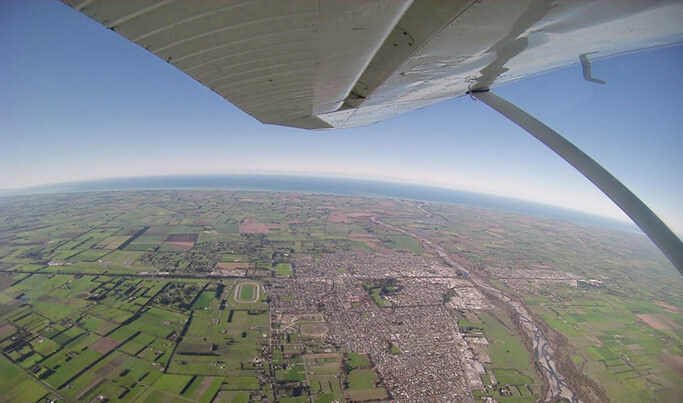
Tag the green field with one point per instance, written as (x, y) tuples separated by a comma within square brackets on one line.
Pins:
[(356, 360), (247, 292), (204, 300), (283, 269), (625, 348), (95, 300), (505, 346)]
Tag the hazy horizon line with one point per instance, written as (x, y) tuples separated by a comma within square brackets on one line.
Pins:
[(27, 190)]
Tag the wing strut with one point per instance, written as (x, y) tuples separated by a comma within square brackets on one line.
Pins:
[(647, 220)]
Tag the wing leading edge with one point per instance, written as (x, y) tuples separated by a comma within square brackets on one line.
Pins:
[(335, 64)]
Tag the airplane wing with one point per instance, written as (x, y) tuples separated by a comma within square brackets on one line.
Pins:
[(335, 63), (324, 64)]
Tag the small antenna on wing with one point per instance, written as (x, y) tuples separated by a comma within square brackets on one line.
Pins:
[(586, 68)]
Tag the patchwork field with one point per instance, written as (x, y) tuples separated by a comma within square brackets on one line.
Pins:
[(224, 296)]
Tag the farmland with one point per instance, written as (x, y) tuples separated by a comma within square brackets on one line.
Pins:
[(212, 296)]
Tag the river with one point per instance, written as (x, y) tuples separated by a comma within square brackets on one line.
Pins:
[(543, 351)]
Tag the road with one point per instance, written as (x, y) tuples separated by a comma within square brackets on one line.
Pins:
[(543, 352)]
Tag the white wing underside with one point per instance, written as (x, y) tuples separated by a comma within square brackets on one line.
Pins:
[(335, 64)]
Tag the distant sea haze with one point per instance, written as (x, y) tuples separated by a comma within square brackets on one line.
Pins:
[(340, 186)]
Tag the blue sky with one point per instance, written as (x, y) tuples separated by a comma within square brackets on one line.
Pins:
[(79, 102)]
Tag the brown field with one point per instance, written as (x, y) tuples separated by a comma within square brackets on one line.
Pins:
[(366, 394), (5, 328), (674, 362), (206, 382), (471, 316), (494, 234), (237, 269), (367, 239), (104, 345), (666, 306), (111, 365), (315, 317), (251, 226), (6, 281), (659, 322), (314, 329), (232, 265), (184, 242), (345, 217)]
